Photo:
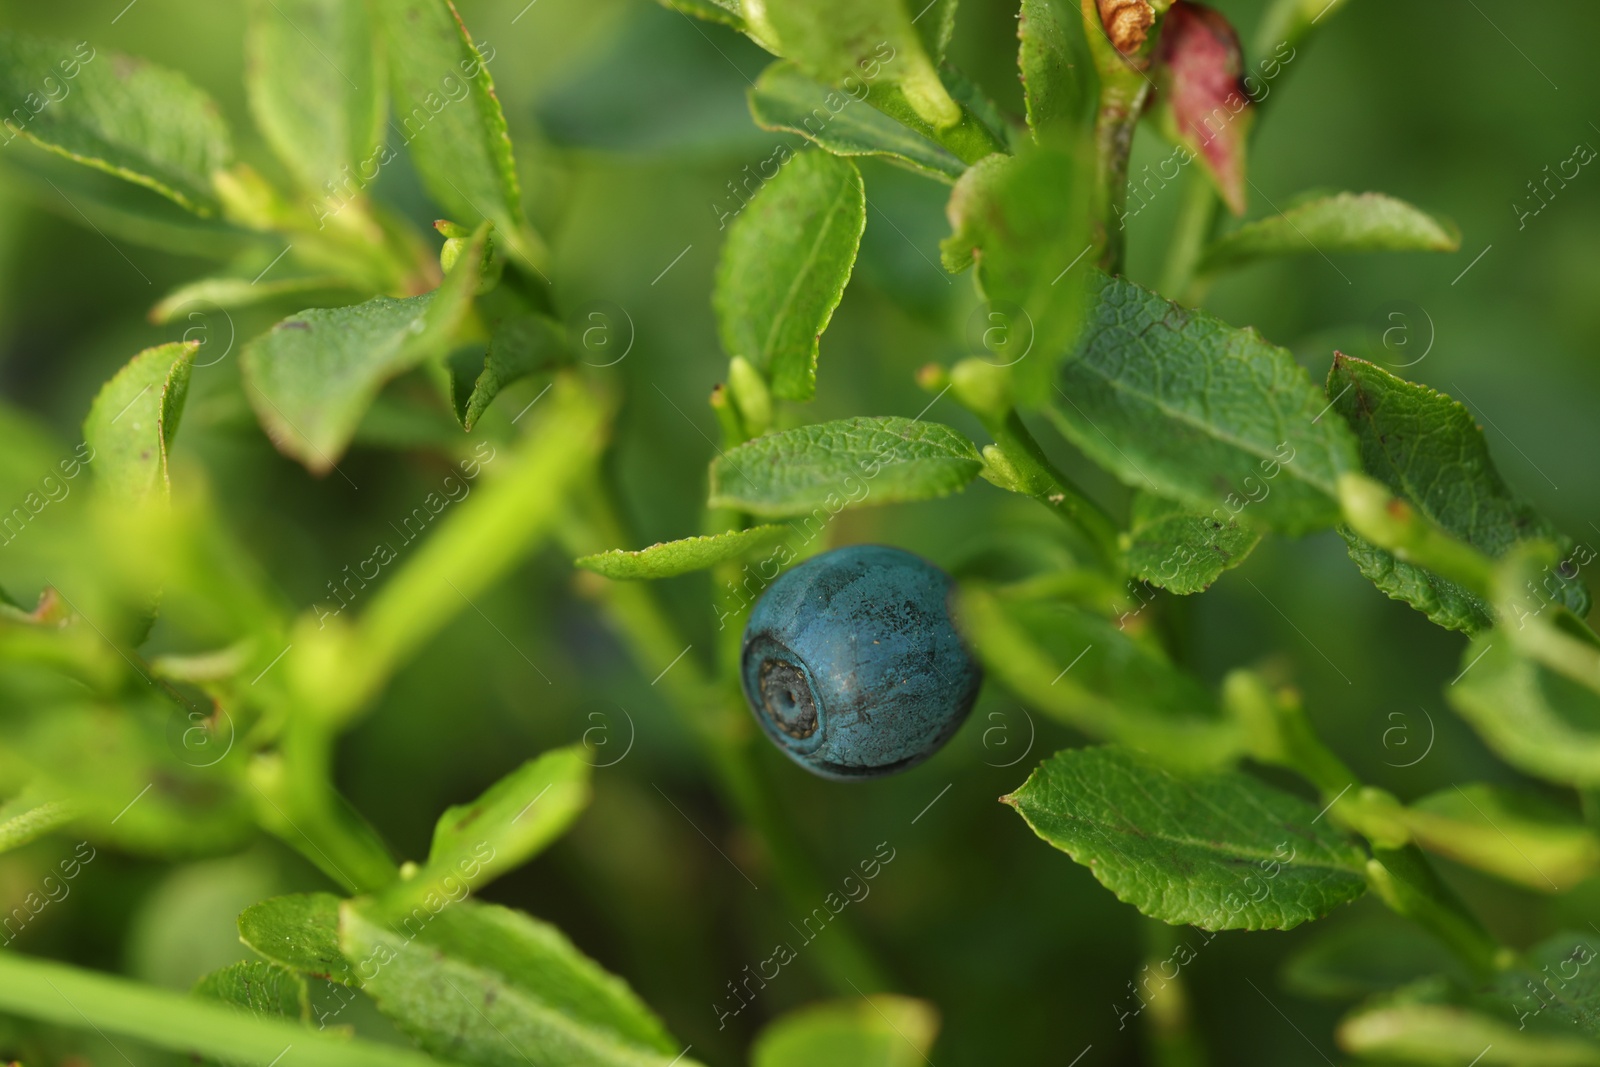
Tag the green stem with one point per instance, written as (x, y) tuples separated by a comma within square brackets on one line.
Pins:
[(1279, 734), (482, 538), (1393, 525), (1407, 883), (1122, 97), (715, 714), (843, 961), (745, 389), (83, 1000), (1045, 482), (1016, 461), (1168, 1027), (31, 814), (1196, 222), (301, 807), (1124, 90), (968, 139)]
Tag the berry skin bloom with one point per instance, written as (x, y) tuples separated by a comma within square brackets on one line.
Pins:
[(852, 665)]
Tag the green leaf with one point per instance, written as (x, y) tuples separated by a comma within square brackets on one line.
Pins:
[(126, 212), (99, 758), (301, 932), (29, 815), (1445, 602), (837, 39), (1090, 674), (121, 115), (784, 267), (486, 985), (876, 1031), (262, 989), (1563, 965), (1054, 64), (1428, 449), (1532, 716), (1023, 221), (1170, 546), (981, 130), (1220, 851), (672, 558), (784, 98), (1516, 836), (449, 118), (1346, 222), (133, 418), (205, 294), (1538, 702), (1542, 1013), (315, 84), (829, 466), (1412, 1028), (315, 374), (936, 24), (52, 632), (1285, 23), (725, 12), (80, 999), (989, 127), (513, 821), (1177, 402), (1373, 953), (522, 345)]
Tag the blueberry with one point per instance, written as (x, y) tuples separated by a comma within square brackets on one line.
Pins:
[(852, 665)]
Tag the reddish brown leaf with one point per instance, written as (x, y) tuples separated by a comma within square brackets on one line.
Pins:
[(1203, 102)]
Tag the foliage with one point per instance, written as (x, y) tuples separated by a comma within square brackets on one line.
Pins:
[(179, 694)]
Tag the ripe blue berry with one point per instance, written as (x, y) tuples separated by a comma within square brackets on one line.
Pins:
[(852, 665)]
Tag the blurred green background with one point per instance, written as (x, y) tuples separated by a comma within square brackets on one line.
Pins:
[(629, 120)]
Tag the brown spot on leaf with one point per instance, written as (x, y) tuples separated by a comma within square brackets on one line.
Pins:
[(51, 610), (1127, 23)]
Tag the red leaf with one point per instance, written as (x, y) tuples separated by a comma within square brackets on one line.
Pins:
[(1203, 100)]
